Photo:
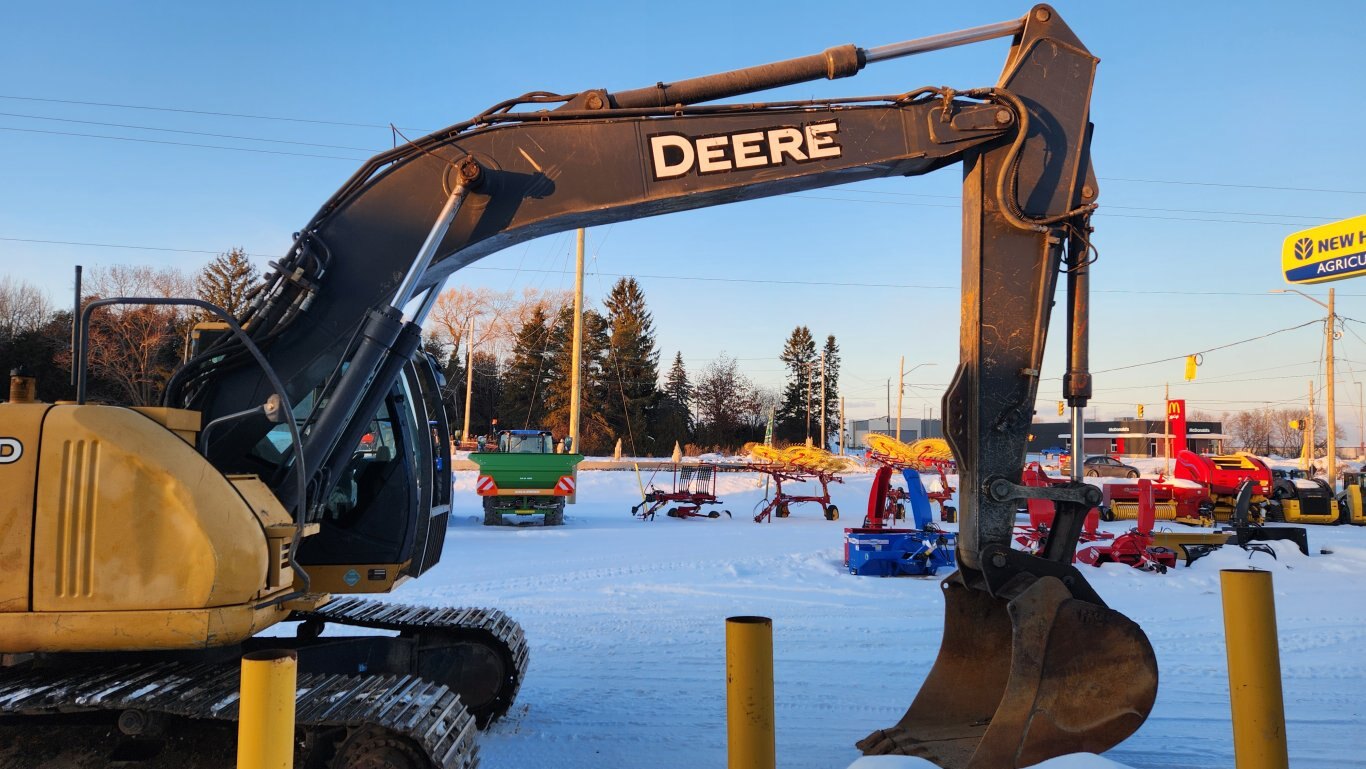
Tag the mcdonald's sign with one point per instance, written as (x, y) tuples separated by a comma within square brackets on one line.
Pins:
[(1176, 424)]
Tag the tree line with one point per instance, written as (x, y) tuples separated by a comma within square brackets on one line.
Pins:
[(522, 359), (522, 365), (1268, 430)]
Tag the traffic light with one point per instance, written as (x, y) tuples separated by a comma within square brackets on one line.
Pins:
[(1061, 406), (1294, 424), (1140, 411)]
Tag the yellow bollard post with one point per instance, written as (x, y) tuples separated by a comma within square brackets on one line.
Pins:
[(1254, 670), (749, 693), (265, 725)]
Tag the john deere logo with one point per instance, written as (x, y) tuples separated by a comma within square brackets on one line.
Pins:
[(1304, 248)]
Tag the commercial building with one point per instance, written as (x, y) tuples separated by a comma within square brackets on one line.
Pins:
[(1127, 437), (911, 430)]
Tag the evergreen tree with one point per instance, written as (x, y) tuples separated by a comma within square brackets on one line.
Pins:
[(486, 388), (527, 378), (673, 420), (226, 280), (451, 369), (595, 434), (799, 409), (632, 368), (832, 391)]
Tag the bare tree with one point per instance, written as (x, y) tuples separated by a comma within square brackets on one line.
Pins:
[(726, 403), (23, 307), (133, 348), (497, 315)]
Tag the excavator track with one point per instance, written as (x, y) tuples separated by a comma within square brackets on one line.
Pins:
[(344, 721), (490, 645)]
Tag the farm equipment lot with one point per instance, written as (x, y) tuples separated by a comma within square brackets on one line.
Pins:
[(625, 622)]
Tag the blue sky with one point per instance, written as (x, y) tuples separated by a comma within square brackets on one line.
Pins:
[(1262, 97)]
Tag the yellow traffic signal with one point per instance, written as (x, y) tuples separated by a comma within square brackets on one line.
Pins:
[(1294, 424), (1140, 411), (1191, 363), (1060, 408)]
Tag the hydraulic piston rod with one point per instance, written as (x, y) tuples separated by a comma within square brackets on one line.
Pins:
[(832, 63)]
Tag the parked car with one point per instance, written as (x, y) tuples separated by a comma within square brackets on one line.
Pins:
[(1108, 467)]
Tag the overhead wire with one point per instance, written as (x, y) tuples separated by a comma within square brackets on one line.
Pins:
[(239, 137), (179, 144), (182, 110)]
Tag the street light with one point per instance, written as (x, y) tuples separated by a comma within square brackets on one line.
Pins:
[(1330, 331), (901, 390)]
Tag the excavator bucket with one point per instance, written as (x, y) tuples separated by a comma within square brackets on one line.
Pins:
[(1079, 677)]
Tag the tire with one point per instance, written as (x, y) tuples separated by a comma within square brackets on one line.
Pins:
[(491, 515), (949, 514), (1131, 474), (555, 517), (1092, 473), (832, 513), (900, 512), (713, 514), (782, 511), (1106, 514)]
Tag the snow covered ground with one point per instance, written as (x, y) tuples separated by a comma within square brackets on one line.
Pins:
[(626, 624)]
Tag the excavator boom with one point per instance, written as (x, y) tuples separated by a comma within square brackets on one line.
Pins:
[(336, 328)]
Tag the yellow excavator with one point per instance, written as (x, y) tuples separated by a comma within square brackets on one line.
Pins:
[(146, 549)]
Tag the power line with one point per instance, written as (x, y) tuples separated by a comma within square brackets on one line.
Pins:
[(117, 245), (190, 133), (1235, 186), (1101, 212), (709, 278), (314, 121), (177, 144), (350, 124), (866, 191), (1198, 352)]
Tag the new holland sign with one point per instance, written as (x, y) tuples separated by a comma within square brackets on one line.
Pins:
[(1328, 252)]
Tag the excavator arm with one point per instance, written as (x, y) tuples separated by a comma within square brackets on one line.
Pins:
[(338, 319)]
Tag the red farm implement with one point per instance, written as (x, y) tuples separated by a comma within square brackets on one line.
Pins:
[(694, 486), (930, 455), (1134, 548), (796, 464)]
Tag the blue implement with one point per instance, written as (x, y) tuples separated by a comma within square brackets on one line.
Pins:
[(898, 552)]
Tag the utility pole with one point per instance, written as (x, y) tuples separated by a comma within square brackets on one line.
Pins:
[(1332, 331), (1307, 455), (576, 357), (889, 406), (808, 403), (900, 390), (469, 380), (824, 446), (1361, 424), (841, 425)]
